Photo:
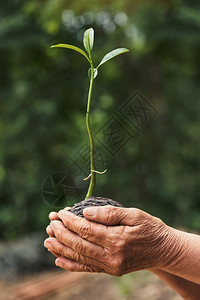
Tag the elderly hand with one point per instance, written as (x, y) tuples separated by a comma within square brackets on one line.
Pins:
[(112, 239)]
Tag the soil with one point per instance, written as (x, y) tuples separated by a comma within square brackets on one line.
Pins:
[(78, 208)]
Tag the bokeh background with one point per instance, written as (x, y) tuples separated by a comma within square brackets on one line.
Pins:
[(43, 94)]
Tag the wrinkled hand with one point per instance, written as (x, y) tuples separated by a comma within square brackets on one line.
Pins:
[(112, 240)]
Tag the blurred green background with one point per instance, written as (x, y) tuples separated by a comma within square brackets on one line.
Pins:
[(43, 102)]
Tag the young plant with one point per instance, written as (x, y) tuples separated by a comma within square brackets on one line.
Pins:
[(88, 42)]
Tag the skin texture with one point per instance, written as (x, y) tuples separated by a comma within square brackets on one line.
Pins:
[(117, 241), (101, 248), (186, 289)]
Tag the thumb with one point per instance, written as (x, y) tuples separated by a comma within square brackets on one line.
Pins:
[(108, 215)]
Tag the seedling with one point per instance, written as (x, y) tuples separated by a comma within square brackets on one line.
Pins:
[(88, 42)]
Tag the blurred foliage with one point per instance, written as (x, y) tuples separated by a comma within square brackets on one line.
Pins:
[(42, 110)]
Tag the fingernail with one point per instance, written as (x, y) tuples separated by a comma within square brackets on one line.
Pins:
[(58, 263), (47, 244), (90, 211)]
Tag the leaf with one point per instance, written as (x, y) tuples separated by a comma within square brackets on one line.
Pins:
[(72, 48), (88, 39), (112, 54), (95, 73)]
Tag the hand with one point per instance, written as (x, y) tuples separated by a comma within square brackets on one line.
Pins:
[(135, 242), (53, 216)]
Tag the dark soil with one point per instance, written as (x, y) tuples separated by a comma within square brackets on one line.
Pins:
[(78, 208)]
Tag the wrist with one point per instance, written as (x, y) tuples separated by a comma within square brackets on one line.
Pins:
[(164, 244), (171, 248), (183, 257)]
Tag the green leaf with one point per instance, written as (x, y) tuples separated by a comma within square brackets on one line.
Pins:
[(112, 54), (72, 48), (88, 39), (95, 73)]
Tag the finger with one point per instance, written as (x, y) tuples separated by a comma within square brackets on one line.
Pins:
[(49, 231), (74, 266), (93, 232), (53, 216), (111, 215), (108, 214), (54, 245), (54, 253), (74, 241)]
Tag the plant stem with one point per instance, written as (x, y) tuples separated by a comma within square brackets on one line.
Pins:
[(91, 139)]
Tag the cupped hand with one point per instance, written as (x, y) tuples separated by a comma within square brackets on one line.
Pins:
[(53, 216), (112, 239)]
